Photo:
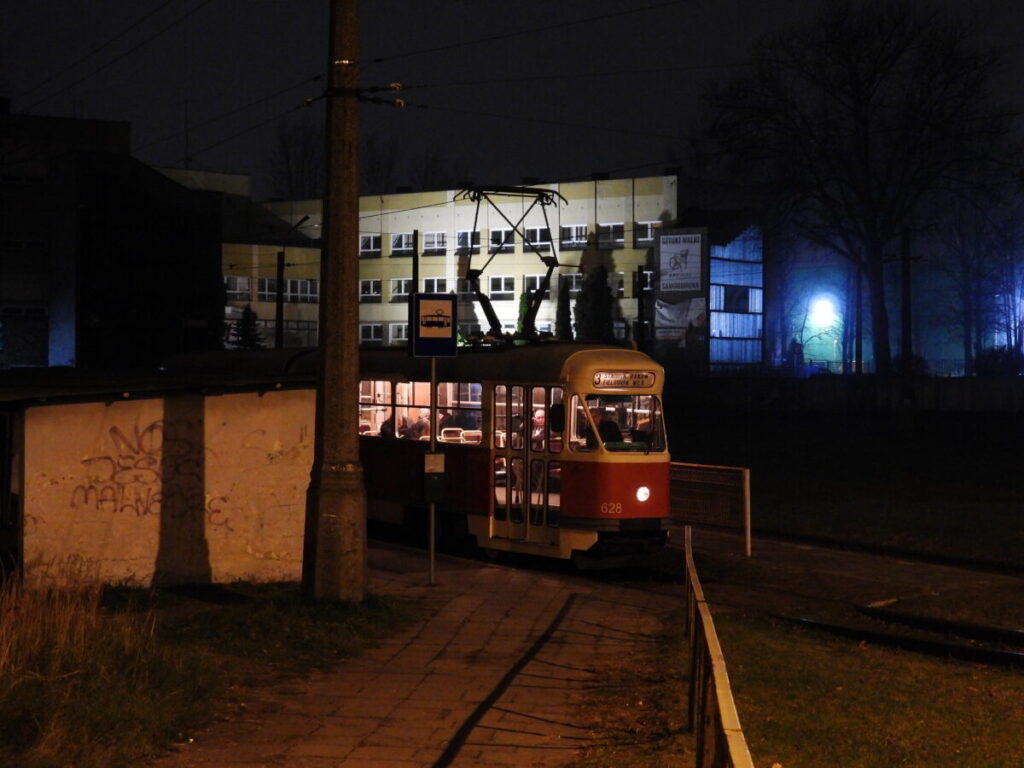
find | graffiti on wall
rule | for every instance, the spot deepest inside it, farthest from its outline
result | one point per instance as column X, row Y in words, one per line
column 152, row 470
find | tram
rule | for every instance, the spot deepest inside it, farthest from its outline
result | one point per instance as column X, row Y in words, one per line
column 556, row 450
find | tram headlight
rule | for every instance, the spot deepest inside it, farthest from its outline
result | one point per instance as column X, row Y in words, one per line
column 643, row 493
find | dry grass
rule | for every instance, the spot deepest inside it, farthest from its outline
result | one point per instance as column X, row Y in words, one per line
column 80, row 687
column 813, row 701
column 95, row 679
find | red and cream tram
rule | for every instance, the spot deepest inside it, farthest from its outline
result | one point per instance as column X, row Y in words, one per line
column 549, row 449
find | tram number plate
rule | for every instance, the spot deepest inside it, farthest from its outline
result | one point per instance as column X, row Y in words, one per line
column 611, row 508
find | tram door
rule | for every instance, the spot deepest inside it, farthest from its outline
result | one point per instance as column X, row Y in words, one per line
column 509, row 481
column 526, row 476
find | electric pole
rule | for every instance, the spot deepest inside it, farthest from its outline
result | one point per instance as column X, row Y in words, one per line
column 334, row 553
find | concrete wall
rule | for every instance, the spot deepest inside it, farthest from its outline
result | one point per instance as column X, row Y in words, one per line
column 176, row 490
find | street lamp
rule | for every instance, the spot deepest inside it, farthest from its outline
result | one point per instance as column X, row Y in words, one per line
column 279, row 308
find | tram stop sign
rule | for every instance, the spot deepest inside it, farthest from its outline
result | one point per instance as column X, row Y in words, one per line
column 434, row 325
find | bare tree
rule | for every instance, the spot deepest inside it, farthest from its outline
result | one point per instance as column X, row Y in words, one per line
column 855, row 118
column 297, row 158
column 379, row 157
column 431, row 169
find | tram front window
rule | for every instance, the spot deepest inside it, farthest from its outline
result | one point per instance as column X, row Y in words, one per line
column 619, row 423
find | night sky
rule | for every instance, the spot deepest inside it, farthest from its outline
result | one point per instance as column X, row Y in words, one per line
column 583, row 85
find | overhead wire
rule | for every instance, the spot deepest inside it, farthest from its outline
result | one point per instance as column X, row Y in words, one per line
column 229, row 113
column 520, row 32
column 124, row 54
column 89, row 54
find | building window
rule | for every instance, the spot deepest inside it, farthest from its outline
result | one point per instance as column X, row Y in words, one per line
column 575, row 280
column 399, row 332
column 266, row 289
column 403, row 244
column 435, row 285
column 539, row 237
column 468, row 330
column 610, row 235
column 302, row 291
column 371, row 333
column 502, row 241
column 646, row 279
column 401, row 288
column 435, row 243
column 532, row 283
column 574, row 237
column 467, row 242
column 643, row 233
column 465, row 289
column 369, row 246
column 238, row 288
column 617, row 282
column 502, row 288
column 369, row 291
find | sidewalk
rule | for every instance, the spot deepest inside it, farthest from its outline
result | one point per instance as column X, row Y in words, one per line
column 489, row 677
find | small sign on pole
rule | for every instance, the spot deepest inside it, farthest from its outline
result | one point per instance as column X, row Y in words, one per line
column 435, row 325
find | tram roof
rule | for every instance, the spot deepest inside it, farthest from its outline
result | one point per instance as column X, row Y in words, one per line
column 235, row 369
column 533, row 362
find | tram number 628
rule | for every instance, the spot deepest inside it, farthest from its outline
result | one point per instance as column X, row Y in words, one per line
column 611, row 508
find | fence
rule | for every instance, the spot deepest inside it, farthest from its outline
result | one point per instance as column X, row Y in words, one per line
column 712, row 711
column 705, row 494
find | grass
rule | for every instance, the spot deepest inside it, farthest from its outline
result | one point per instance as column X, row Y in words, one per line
column 91, row 678
column 638, row 710
column 810, row 700
column 998, row 605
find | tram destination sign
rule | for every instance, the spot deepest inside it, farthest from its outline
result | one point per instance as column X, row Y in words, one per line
column 623, row 379
column 434, row 325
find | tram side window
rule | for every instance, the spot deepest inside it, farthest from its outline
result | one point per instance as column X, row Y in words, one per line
column 412, row 410
column 554, row 491
column 500, row 488
column 509, row 419
column 500, row 415
column 538, row 420
column 459, row 412
column 556, row 420
column 375, row 417
column 517, row 417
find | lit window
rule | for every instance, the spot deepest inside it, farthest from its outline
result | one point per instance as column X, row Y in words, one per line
column 502, row 288
column 574, row 237
column 370, row 333
column 538, row 237
column 467, row 242
column 434, row 243
column 401, row 288
column 435, row 285
column 238, row 288
column 643, row 232
column 532, row 283
column 502, row 241
column 369, row 291
column 369, row 246
column 610, row 235
column 302, row 291
column 266, row 289
column 402, row 244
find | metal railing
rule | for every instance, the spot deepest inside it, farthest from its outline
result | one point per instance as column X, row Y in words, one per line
column 712, row 711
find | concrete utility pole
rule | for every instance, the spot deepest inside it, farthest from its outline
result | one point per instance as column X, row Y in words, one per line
column 334, row 556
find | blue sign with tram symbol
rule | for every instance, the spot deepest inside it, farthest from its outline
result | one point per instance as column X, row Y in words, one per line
column 434, row 327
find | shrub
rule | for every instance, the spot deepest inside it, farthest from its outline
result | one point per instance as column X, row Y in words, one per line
column 998, row 361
